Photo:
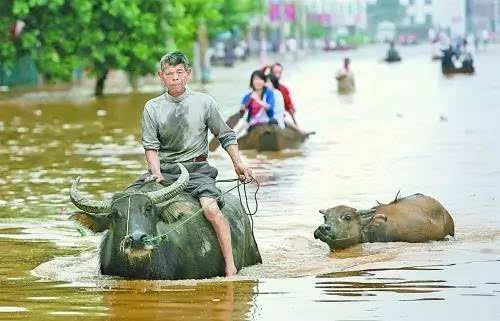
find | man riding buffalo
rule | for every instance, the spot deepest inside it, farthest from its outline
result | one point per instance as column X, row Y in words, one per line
column 174, row 130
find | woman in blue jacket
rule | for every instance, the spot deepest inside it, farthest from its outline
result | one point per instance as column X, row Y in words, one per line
column 259, row 102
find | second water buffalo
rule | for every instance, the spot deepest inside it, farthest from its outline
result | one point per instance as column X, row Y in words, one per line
column 415, row 218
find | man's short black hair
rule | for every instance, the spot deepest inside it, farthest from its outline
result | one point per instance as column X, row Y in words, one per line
column 277, row 64
column 173, row 59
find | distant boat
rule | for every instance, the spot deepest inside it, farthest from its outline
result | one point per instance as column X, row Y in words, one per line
column 392, row 54
column 392, row 59
column 454, row 70
column 451, row 63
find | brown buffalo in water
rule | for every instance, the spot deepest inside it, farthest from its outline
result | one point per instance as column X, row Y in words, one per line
column 416, row 218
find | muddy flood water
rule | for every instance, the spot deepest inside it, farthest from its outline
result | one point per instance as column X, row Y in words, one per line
column 406, row 128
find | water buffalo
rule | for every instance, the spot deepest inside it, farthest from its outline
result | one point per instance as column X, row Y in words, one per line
column 132, row 220
column 415, row 218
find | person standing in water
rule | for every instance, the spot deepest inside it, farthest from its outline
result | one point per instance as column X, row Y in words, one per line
column 345, row 78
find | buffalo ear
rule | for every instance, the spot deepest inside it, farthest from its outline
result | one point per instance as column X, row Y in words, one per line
column 376, row 222
column 93, row 222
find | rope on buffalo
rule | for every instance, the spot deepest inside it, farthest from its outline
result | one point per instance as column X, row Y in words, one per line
column 250, row 213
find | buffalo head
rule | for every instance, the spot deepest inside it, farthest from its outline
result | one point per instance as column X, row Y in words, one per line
column 130, row 217
column 345, row 226
column 341, row 228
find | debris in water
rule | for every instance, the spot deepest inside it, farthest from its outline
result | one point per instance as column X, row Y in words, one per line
column 101, row 113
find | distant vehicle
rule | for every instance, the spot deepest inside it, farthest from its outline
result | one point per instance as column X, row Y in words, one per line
column 407, row 39
column 337, row 45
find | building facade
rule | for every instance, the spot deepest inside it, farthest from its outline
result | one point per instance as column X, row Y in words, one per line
column 483, row 15
column 449, row 15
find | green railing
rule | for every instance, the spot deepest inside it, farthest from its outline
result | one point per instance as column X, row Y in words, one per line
column 24, row 72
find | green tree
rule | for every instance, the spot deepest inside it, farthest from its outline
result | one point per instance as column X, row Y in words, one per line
column 102, row 35
column 316, row 31
column 129, row 35
column 385, row 10
column 186, row 16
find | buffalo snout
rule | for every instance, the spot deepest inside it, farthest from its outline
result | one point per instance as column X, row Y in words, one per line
column 138, row 238
column 322, row 229
column 325, row 228
column 136, row 243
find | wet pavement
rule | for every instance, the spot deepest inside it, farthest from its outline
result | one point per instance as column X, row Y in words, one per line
column 407, row 127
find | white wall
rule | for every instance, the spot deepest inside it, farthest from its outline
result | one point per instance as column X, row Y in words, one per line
column 450, row 14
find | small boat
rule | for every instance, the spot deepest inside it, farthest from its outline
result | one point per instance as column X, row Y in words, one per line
column 271, row 138
column 392, row 54
column 452, row 63
column 453, row 70
column 392, row 59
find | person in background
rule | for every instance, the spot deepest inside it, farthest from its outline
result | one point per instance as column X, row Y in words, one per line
column 260, row 102
column 485, row 37
column 467, row 56
column 279, row 104
column 392, row 53
column 277, row 72
column 345, row 78
column 174, row 130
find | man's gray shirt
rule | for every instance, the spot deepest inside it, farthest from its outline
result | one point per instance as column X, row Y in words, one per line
column 177, row 126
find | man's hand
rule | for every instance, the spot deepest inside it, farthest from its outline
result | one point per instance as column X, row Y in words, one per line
column 154, row 166
column 158, row 177
column 243, row 171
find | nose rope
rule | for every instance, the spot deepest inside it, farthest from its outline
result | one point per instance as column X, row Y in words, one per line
column 128, row 214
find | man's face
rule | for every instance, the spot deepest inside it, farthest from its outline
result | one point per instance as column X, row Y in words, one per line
column 277, row 71
column 175, row 78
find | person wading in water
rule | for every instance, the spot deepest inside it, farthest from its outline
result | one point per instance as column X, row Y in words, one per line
column 174, row 130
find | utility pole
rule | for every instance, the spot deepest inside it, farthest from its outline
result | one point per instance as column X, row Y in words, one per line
column 262, row 33
column 203, row 47
column 496, row 16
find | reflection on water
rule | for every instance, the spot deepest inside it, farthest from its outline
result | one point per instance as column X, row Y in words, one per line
column 407, row 127
column 137, row 300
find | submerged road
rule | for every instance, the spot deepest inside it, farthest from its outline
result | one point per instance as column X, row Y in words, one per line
column 407, row 127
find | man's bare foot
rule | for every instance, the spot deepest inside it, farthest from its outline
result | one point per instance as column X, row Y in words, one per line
column 231, row 270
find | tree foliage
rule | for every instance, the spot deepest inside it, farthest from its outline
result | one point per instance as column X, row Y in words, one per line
column 185, row 17
column 104, row 35
column 385, row 10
